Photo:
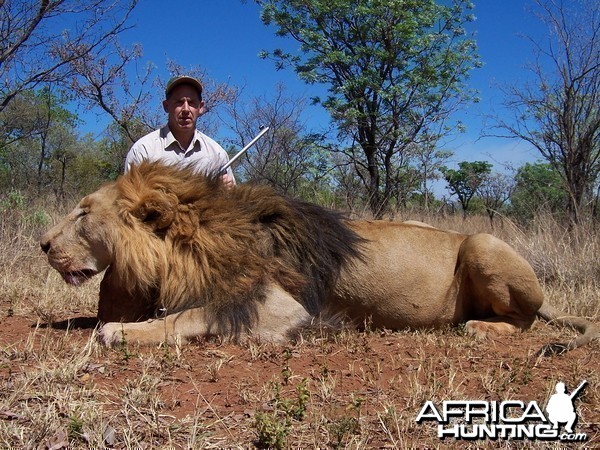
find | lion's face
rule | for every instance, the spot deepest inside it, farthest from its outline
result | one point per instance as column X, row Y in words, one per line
column 81, row 245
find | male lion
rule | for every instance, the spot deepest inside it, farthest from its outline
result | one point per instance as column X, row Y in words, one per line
column 185, row 257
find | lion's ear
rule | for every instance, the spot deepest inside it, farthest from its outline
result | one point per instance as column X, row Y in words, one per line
column 157, row 210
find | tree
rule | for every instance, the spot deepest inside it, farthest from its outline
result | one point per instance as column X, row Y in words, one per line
column 494, row 191
column 40, row 40
column 33, row 127
column 287, row 157
column 53, row 119
column 560, row 114
column 394, row 71
column 89, row 167
column 349, row 190
column 19, row 120
column 106, row 83
column 115, row 144
column 430, row 161
column 102, row 82
column 538, row 187
column 465, row 181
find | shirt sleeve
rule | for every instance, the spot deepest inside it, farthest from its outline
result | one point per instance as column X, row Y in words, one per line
column 134, row 156
column 220, row 154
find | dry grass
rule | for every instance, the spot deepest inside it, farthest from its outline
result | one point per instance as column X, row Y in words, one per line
column 60, row 389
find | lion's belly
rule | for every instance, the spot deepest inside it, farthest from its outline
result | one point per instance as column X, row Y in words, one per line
column 405, row 280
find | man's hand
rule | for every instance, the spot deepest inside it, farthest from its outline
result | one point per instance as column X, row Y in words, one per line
column 227, row 180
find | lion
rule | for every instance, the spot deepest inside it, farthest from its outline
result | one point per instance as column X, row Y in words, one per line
column 184, row 258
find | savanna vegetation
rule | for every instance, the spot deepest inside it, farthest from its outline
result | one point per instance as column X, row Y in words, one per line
column 347, row 389
column 392, row 89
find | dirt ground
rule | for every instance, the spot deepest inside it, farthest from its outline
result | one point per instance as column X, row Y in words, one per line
column 60, row 389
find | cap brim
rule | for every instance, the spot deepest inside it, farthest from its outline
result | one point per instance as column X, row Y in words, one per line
column 184, row 80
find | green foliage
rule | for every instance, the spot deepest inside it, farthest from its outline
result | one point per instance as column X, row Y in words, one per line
column 75, row 428
column 538, row 187
column 273, row 427
column 346, row 426
column 41, row 152
column 464, row 181
column 494, row 192
column 271, row 432
column 14, row 200
column 37, row 219
column 394, row 70
column 341, row 428
column 33, row 112
column 18, row 213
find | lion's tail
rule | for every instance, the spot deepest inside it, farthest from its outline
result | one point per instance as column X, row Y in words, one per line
column 589, row 330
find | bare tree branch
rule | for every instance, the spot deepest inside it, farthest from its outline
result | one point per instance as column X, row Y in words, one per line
column 559, row 114
column 41, row 40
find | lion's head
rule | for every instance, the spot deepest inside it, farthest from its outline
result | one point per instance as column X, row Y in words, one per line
column 82, row 245
column 172, row 240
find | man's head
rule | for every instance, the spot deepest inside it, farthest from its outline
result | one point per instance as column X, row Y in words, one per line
column 183, row 103
column 179, row 80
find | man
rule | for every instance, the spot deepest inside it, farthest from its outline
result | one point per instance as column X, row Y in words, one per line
column 179, row 142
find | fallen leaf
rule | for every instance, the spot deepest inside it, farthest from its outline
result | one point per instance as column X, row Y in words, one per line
column 109, row 435
column 58, row 441
column 85, row 377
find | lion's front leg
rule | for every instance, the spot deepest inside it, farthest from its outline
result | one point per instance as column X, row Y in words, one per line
column 118, row 304
column 174, row 328
column 278, row 316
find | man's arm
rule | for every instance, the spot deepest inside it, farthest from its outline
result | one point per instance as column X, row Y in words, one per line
column 133, row 158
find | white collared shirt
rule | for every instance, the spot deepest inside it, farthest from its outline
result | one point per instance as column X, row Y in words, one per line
column 206, row 155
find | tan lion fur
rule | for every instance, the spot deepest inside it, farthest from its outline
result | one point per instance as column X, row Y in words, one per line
column 180, row 241
column 247, row 260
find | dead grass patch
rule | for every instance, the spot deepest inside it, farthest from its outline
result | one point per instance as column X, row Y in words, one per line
column 349, row 389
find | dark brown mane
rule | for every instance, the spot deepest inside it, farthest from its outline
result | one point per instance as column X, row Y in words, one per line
column 219, row 248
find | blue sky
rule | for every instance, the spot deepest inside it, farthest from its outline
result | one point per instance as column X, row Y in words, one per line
column 225, row 36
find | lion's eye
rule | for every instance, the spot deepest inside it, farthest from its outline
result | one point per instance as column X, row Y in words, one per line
column 82, row 212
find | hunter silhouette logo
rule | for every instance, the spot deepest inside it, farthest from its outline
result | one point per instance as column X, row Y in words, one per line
column 510, row 419
column 560, row 406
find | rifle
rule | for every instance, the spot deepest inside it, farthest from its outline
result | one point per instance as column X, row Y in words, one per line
column 576, row 391
column 263, row 130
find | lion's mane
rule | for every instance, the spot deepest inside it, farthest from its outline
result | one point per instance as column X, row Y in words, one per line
column 185, row 240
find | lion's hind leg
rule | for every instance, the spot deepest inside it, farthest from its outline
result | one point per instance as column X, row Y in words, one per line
column 502, row 294
column 280, row 316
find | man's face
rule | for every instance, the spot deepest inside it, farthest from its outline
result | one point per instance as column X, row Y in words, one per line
column 184, row 107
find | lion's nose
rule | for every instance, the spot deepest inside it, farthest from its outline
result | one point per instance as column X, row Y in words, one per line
column 45, row 246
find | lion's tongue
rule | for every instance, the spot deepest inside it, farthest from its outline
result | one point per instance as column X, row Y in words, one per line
column 73, row 278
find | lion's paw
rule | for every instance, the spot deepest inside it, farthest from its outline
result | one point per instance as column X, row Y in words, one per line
column 111, row 334
column 482, row 329
column 477, row 329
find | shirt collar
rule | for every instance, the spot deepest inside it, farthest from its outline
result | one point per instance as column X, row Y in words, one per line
column 170, row 140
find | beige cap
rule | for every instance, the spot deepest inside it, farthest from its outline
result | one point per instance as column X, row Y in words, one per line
column 176, row 81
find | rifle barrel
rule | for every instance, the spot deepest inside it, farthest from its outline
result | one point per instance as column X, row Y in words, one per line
column 576, row 391
column 244, row 150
